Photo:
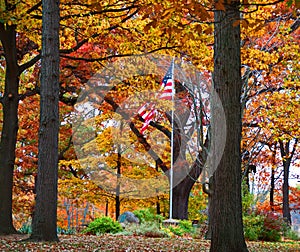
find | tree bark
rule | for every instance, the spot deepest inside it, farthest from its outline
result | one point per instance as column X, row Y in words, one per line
column 226, row 202
column 117, row 199
column 286, row 156
column 10, row 101
column 183, row 187
column 44, row 227
column 272, row 186
column 181, row 193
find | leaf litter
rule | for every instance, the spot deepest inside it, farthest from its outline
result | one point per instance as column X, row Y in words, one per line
column 121, row 243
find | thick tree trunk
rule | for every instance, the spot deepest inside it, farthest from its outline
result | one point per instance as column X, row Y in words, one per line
column 226, row 206
column 183, row 184
column 285, row 191
column 181, row 193
column 286, row 157
column 44, row 226
column 9, row 102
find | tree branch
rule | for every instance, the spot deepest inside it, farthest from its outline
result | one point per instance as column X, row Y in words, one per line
column 100, row 12
column 117, row 55
column 262, row 4
column 29, row 63
column 35, row 7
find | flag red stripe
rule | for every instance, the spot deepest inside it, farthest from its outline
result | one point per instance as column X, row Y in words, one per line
column 147, row 111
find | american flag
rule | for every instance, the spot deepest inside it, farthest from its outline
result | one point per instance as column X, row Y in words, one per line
column 147, row 111
column 167, row 84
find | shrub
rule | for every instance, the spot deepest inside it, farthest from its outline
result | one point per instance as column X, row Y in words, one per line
column 186, row 226
column 274, row 227
column 292, row 235
column 103, row 225
column 183, row 227
column 253, row 226
column 266, row 226
column 176, row 230
column 147, row 229
column 146, row 215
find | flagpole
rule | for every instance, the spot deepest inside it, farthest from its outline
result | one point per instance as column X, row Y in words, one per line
column 172, row 144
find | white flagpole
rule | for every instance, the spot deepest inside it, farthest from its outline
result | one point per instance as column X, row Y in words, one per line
column 172, row 144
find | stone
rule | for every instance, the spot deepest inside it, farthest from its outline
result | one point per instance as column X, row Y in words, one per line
column 128, row 218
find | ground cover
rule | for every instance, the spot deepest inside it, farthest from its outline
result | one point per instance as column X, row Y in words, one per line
column 121, row 243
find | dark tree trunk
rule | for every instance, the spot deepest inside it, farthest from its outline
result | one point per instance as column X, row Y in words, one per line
column 183, row 185
column 44, row 227
column 272, row 182
column 181, row 193
column 117, row 203
column 226, row 202
column 106, row 208
column 158, row 211
column 272, row 187
column 286, row 156
column 117, row 199
column 9, row 102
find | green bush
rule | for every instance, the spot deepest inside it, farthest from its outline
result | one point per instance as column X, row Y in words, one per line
column 146, row 215
column 186, row 226
column 253, row 226
column 183, row 227
column 270, row 235
column 291, row 234
column 176, row 230
column 147, row 229
column 103, row 225
column 266, row 226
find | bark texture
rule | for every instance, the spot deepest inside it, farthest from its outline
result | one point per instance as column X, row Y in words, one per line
column 9, row 101
column 225, row 205
column 286, row 155
column 44, row 226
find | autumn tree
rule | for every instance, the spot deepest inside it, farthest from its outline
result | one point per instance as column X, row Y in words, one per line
column 14, row 68
column 25, row 18
column 45, row 212
column 270, row 96
column 10, row 99
column 223, row 219
column 9, row 131
column 225, row 208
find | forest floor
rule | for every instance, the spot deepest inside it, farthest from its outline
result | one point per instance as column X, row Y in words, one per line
column 122, row 243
